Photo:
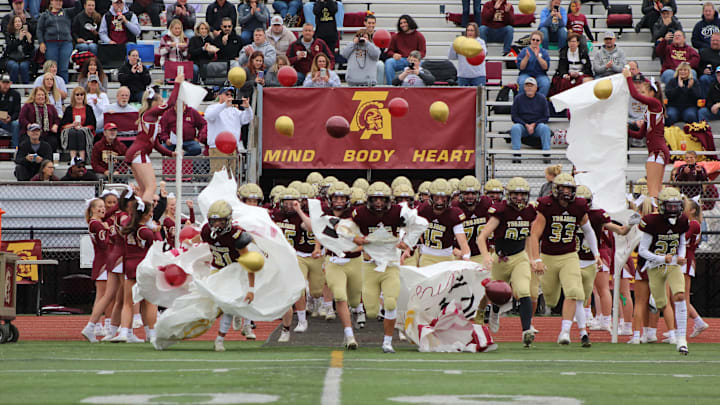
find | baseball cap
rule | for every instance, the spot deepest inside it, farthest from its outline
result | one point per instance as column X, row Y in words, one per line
column 34, row 127
column 530, row 80
column 276, row 20
column 93, row 78
column 666, row 8
column 78, row 161
column 226, row 89
column 110, row 125
column 5, row 78
column 608, row 34
column 18, row 1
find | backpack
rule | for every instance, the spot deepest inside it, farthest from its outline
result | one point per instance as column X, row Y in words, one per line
column 514, row 52
column 443, row 70
column 504, row 95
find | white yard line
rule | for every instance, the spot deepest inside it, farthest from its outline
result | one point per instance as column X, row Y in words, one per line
column 333, row 378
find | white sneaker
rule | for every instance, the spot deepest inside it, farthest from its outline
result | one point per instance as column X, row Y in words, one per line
column 651, row 339
column 494, row 321
column 237, row 322
column 361, row 320
column 89, row 333
column 350, row 343
column 99, row 330
column 301, row 327
column 137, row 323
column 666, row 334
column 595, row 324
column 219, row 346
column 119, row 339
column 491, row 348
column 134, row 339
column 625, row 331
column 535, row 331
column 330, row 315
column 672, row 340
column 402, row 336
column 387, row 348
column 698, row 329
column 108, row 338
column 564, row 338
column 528, row 337
column 634, row 341
column 322, row 312
column 248, row 332
column 284, row 336
column 682, row 347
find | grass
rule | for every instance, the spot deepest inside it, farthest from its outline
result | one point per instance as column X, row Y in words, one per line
column 68, row 372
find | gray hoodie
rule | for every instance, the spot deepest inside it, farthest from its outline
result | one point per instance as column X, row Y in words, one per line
column 361, row 63
column 603, row 56
column 266, row 48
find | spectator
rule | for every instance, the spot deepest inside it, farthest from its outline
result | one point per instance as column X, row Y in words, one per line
column 194, row 130
column 533, row 61
column 288, row 11
column 667, row 23
column 186, row 14
column 271, row 79
column 18, row 51
column 326, row 27
column 636, row 110
column 259, row 44
column 577, row 23
column 550, row 173
column 150, row 7
column 470, row 75
column 414, row 75
column 102, row 6
column 9, row 110
column 78, row 125
column 215, row 13
column 119, row 25
column 406, row 40
column 97, row 100
column 553, row 20
column 54, row 35
column 279, row 36
column 708, row 25
column 33, row 6
column 709, row 60
column 85, row 27
column 78, row 172
column 105, row 148
column 574, row 67
column 252, row 14
column 90, row 67
column 51, row 66
column 36, row 110
column 31, row 152
column 53, row 94
column 310, row 17
column 122, row 102
column 530, row 114
column 362, row 57
column 477, row 7
column 19, row 10
column 133, row 75
column 46, row 172
column 370, row 23
column 254, row 74
column 320, row 74
column 202, row 50
column 497, row 23
column 609, row 58
column 673, row 50
column 228, row 42
column 226, row 116
column 711, row 111
column 303, row 51
column 682, row 93
column 174, row 44
column 691, row 171
column 651, row 10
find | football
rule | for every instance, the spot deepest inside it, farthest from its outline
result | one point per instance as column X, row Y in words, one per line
column 499, row 292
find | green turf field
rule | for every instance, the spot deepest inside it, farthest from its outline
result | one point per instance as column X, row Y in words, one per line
column 189, row 372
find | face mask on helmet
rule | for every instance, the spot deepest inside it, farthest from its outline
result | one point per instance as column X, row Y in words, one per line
column 255, row 202
column 339, row 202
column 287, row 207
column 440, row 202
column 469, row 198
column 519, row 200
column 379, row 203
column 408, row 200
column 495, row 196
column 218, row 226
column 566, row 193
column 672, row 210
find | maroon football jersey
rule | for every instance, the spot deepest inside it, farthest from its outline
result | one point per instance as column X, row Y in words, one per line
column 475, row 221
column 514, row 227
column 223, row 246
column 439, row 234
column 561, row 224
column 597, row 218
column 665, row 237
column 368, row 221
column 295, row 234
column 347, row 214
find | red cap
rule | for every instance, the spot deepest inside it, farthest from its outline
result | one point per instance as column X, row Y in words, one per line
column 110, row 125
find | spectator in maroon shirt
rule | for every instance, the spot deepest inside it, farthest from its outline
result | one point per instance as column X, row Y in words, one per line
column 497, row 23
column 303, row 51
column 194, row 130
column 105, row 148
column 406, row 40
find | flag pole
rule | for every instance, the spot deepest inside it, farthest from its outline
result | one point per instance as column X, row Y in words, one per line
column 178, row 162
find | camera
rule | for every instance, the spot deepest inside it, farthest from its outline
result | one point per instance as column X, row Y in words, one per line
column 413, row 66
column 557, row 8
column 361, row 40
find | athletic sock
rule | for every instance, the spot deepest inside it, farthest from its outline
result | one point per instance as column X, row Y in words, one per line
column 225, row 323
column 301, row 315
column 327, row 304
column 111, row 331
column 91, row 325
column 220, row 338
column 671, row 333
column 681, row 318
column 698, row 320
column 107, row 324
column 588, row 313
column 147, row 331
column 360, row 308
column 627, row 325
column 652, row 331
column 566, row 325
column 606, row 320
column 526, row 312
column 137, row 317
column 348, row 331
column 387, row 340
column 318, row 303
column 123, row 332
column 636, row 334
column 151, row 334
column 645, row 330
column 580, row 316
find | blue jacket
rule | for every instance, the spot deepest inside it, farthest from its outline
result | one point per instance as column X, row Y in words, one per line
column 526, row 110
column 546, row 21
column 533, row 67
column 703, row 31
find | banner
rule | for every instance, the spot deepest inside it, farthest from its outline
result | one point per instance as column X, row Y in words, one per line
column 377, row 140
column 126, row 123
column 26, row 250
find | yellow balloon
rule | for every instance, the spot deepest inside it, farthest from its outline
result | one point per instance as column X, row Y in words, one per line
column 237, row 77
column 252, row 261
column 458, row 44
column 603, row 89
column 285, row 125
column 526, row 6
column 471, row 48
column 439, row 111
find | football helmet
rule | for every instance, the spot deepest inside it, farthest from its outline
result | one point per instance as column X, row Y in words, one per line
column 378, row 196
column 403, row 193
column 306, row 191
column 294, row 184
column 640, row 188
column 518, row 190
column 219, row 218
column 564, row 180
column 440, row 194
column 339, row 189
column 361, row 184
column 424, row 191
column 584, row 192
column 400, row 180
column 454, row 182
column 286, row 198
column 494, row 189
column 276, row 195
column 469, row 188
column 250, row 191
column 327, row 183
column 670, row 204
column 314, row 178
column 357, row 196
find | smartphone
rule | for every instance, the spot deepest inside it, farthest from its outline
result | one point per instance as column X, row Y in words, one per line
column 78, row 119
column 261, row 74
column 323, row 72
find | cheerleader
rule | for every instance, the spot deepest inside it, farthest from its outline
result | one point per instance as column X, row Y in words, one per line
column 694, row 214
column 99, row 236
column 168, row 219
column 139, row 152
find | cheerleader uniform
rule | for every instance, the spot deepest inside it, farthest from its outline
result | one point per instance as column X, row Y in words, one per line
column 654, row 129
column 139, row 151
column 99, row 236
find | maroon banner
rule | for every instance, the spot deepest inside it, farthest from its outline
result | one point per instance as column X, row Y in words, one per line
column 126, row 123
column 377, row 140
column 30, row 249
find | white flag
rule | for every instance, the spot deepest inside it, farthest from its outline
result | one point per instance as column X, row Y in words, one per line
column 191, row 94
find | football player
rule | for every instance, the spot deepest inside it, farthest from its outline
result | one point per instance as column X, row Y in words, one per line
column 251, row 194
column 315, row 179
column 357, row 196
column 227, row 242
column 553, row 251
column 494, row 190
column 445, row 227
column 398, row 181
column 361, row 184
column 510, row 222
column 424, row 192
column 662, row 248
column 475, row 208
column 380, row 212
column 403, row 193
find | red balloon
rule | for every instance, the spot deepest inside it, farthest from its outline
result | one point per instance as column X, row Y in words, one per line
column 381, row 38
column 497, row 291
column 287, row 76
column 226, row 142
column 337, row 126
column 174, row 275
column 398, row 107
column 477, row 59
column 188, row 232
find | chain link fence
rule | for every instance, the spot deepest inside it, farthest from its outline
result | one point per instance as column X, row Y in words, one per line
column 194, row 169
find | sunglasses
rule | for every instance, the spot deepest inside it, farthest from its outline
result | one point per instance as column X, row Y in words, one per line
column 535, row 40
column 227, row 26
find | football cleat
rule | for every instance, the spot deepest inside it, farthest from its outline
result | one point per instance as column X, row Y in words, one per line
column 284, row 336
column 301, row 327
column 219, row 346
column 682, row 347
column 350, row 343
column 330, row 316
column 387, row 348
column 248, row 332
column 494, row 323
column 585, row 341
column 491, row 348
column 134, row 339
column 698, row 329
column 528, row 337
column 315, row 313
column 634, row 341
column 402, row 336
column 564, row 338
column 89, row 333
column 237, row 322
column 361, row 320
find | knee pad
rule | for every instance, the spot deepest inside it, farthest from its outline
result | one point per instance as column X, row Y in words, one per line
column 390, row 314
column 390, row 304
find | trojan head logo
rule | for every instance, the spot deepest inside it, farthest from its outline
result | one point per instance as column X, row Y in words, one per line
column 371, row 116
